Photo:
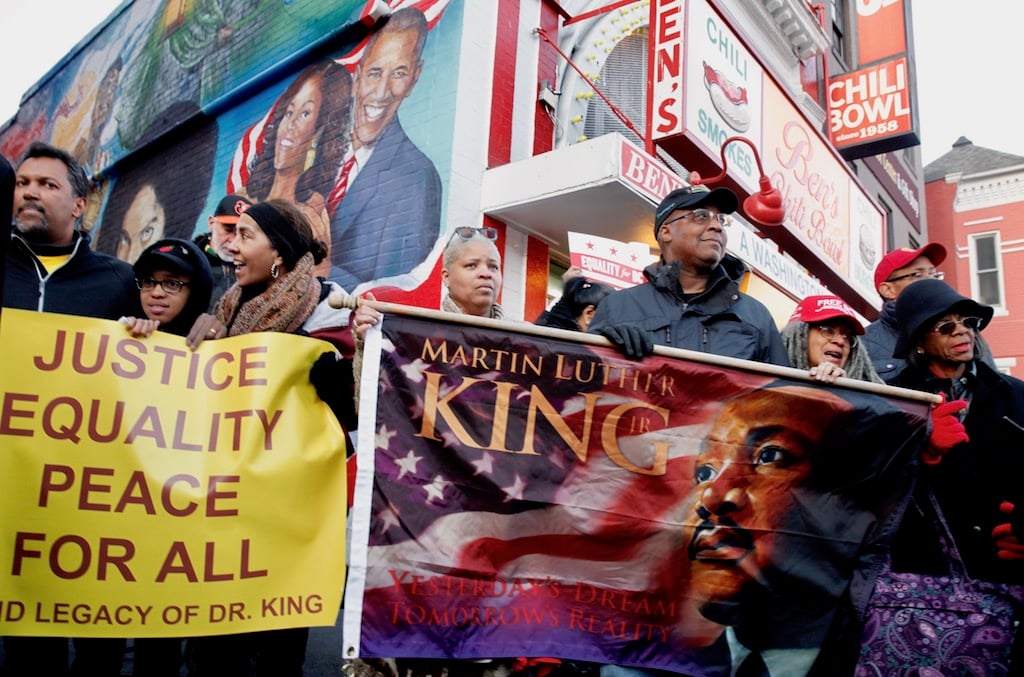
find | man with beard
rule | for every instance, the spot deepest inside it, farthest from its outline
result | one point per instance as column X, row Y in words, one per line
column 788, row 494
column 50, row 268
column 385, row 206
column 222, row 223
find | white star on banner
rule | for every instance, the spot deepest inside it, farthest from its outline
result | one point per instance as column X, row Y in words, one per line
column 383, row 437
column 484, row 465
column 515, row 492
column 407, row 464
column 388, row 518
column 414, row 370
column 435, row 490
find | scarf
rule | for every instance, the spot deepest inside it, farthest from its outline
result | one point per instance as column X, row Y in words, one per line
column 450, row 306
column 282, row 307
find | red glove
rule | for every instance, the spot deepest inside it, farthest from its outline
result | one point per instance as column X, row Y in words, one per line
column 1007, row 535
column 947, row 430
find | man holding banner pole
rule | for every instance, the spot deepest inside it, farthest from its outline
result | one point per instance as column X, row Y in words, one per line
column 693, row 298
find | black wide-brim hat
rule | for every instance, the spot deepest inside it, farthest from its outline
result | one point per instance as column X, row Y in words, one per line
column 924, row 302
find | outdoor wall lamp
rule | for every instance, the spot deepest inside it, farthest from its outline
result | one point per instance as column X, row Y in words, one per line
column 765, row 206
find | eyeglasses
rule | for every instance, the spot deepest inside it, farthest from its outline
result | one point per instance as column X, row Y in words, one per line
column 830, row 332
column 703, row 217
column 169, row 286
column 949, row 326
column 918, row 275
column 467, row 232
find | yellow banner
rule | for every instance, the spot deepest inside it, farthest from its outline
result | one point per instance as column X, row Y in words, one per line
column 148, row 490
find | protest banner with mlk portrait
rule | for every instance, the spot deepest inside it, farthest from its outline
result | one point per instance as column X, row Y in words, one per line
column 148, row 490
column 528, row 495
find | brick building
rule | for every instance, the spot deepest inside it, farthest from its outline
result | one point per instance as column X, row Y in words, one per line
column 532, row 116
column 975, row 202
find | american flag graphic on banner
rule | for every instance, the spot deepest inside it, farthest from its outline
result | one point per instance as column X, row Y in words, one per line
column 522, row 495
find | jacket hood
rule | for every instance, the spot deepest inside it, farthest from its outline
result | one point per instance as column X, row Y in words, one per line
column 200, row 282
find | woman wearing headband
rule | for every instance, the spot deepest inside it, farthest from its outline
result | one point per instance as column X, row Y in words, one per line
column 275, row 255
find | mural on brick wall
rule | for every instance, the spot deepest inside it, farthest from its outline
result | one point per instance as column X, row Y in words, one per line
column 162, row 108
column 161, row 195
column 368, row 188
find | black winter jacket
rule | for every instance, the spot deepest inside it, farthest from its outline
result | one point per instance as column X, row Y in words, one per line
column 880, row 341
column 971, row 481
column 721, row 320
column 89, row 284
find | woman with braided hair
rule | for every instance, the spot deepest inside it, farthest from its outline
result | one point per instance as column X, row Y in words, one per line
column 822, row 338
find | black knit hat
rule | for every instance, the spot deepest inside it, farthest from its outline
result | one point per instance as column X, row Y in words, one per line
column 924, row 302
column 289, row 242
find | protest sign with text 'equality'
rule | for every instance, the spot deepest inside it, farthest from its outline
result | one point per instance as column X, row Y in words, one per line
column 149, row 490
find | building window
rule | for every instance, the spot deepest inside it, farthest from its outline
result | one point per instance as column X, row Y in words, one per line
column 889, row 225
column 839, row 22
column 624, row 81
column 986, row 269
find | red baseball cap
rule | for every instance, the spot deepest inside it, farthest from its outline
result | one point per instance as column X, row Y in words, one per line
column 817, row 309
column 897, row 258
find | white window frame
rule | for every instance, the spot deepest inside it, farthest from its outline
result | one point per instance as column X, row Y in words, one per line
column 972, row 246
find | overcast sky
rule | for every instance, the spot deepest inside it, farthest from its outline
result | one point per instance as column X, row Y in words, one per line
column 968, row 61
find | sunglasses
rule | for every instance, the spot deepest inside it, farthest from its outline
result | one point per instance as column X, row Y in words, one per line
column 467, row 232
column 948, row 327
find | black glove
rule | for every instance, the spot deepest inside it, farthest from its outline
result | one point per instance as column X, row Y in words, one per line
column 631, row 339
column 332, row 379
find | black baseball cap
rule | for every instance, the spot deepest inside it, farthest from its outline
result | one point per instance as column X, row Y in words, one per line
column 692, row 197
column 230, row 208
column 170, row 254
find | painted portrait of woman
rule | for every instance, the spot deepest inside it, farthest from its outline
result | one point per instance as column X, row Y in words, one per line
column 161, row 196
column 304, row 143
